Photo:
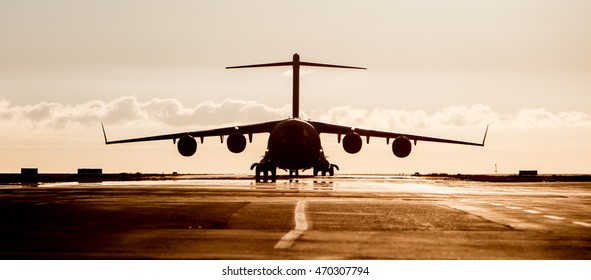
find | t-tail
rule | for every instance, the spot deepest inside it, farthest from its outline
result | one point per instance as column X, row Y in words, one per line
column 295, row 64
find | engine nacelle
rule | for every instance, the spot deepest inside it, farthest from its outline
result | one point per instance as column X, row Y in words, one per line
column 352, row 143
column 401, row 147
column 187, row 146
column 236, row 142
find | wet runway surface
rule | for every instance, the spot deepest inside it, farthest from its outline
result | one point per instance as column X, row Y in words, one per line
column 344, row 218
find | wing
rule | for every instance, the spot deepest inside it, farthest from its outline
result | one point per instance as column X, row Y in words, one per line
column 244, row 129
column 339, row 129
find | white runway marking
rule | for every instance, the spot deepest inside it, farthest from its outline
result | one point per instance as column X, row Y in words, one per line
column 532, row 211
column 348, row 213
column 582, row 224
column 301, row 225
column 553, row 217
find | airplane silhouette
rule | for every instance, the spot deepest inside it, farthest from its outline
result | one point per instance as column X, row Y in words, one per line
column 294, row 143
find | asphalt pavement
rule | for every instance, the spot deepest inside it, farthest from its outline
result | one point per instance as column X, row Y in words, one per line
column 343, row 217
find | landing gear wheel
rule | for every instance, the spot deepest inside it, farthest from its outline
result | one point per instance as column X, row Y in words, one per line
column 257, row 173
column 265, row 169
column 273, row 174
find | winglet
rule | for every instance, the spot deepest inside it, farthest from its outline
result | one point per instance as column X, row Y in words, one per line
column 485, row 133
column 104, row 133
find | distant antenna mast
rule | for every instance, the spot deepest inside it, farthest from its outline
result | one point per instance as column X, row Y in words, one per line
column 295, row 63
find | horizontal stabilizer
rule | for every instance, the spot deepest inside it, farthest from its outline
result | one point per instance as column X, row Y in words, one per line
column 289, row 63
column 295, row 64
column 330, row 65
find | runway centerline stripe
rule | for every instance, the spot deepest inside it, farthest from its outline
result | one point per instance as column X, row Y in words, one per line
column 582, row 224
column 300, row 216
column 301, row 225
column 348, row 213
column 553, row 217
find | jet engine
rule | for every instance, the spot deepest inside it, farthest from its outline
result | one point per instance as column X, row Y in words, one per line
column 236, row 142
column 187, row 146
column 401, row 147
column 352, row 143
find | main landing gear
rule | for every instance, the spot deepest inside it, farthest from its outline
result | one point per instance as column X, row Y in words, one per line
column 265, row 170
column 323, row 166
column 323, row 170
column 264, row 167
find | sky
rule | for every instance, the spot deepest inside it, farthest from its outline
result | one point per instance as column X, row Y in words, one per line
column 435, row 68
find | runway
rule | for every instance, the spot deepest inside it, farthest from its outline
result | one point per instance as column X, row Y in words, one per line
column 343, row 217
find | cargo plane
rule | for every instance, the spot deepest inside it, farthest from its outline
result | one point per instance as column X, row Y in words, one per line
column 294, row 144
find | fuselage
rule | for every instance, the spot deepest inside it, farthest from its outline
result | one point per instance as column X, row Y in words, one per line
column 294, row 144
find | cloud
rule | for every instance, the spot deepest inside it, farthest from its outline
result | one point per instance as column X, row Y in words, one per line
column 545, row 118
column 457, row 116
column 129, row 109
column 173, row 113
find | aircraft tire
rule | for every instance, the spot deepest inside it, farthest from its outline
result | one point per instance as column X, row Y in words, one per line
column 257, row 173
column 273, row 174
